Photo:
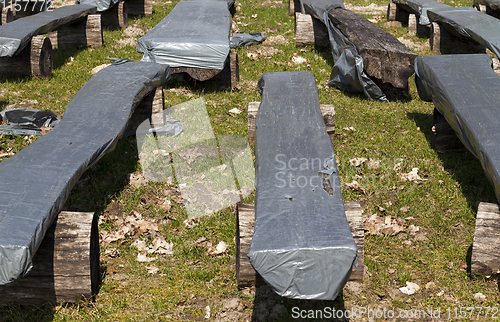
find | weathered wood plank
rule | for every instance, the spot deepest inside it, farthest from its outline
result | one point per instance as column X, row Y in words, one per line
column 246, row 276
column 65, row 267
column 34, row 60
column 443, row 137
column 86, row 32
column 384, row 57
column 327, row 110
column 485, row 259
column 310, row 31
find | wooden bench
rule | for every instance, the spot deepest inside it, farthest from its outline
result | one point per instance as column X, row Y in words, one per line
column 200, row 49
column 114, row 13
column 489, row 7
column 302, row 244
column 464, row 89
column 37, row 180
column 25, row 52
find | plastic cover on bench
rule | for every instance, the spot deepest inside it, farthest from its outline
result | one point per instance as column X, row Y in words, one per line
column 470, row 23
column 102, row 5
column 347, row 72
column 466, row 91
column 15, row 35
column 422, row 6
column 302, row 244
column 35, row 182
column 194, row 34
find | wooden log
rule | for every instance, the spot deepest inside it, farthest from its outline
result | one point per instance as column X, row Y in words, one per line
column 7, row 15
column 384, row 57
column 65, row 266
column 246, row 276
column 488, row 10
column 150, row 108
column 444, row 138
column 395, row 12
column 485, row 258
column 34, row 60
column 86, row 32
column 443, row 42
column 115, row 17
column 327, row 110
column 140, row 7
column 310, row 31
column 414, row 28
column 293, row 7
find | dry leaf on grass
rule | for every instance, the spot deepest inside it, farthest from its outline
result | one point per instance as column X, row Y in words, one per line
column 354, row 185
column 410, row 288
column 412, row 176
column 144, row 259
column 153, row 269
column 378, row 225
column 219, row 249
column 161, row 246
column 357, row 161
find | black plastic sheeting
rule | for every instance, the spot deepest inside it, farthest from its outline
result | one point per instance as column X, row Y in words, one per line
column 302, row 244
column 25, row 121
column 421, row 7
column 194, row 34
column 471, row 23
column 493, row 4
column 35, row 182
column 466, row 91
column 245, row 39
column 347, row 72
column 15, row 35
column 102, row 5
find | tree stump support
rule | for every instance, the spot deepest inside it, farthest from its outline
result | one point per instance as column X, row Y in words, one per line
column 293, row 7
column 86, row 32
column 396, row 13
column 34, row 60
column 115, row 17
column 444, row 138
column 485, row 259
column 443, row 42
column 150, row 108
column 140, row 7
column 65, row 266
column 7, row 15
column 310, row 31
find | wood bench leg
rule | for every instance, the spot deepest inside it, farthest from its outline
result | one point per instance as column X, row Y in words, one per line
column 246, row 276
column 65, row 266
column 310, row 31
column 396, row 13
column 115, row 17
column 485, row 258
column 441, row 41
column 230, row 75
column 327, row 110
column 34, row 60
column 414, row 28
column 293, row 7
column 444, row 138
column 6, row 16
column 87, row 32
column 150, row 108
column 140, row 7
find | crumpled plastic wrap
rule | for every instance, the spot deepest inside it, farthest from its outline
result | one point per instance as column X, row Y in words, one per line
column 25, row 121
column 15, row 35
column 102, row 5
column 470, row 23
column 194, row 34
column 347, row 72
column 466, row 91
column 421, row 7
column 302, row 244
column 246, row 39
column 36, row 181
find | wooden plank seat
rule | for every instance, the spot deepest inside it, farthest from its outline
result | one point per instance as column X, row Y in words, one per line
column 200, row 48
column 24, row 52
column 302, row 244
column 489, row 7
column 35, row 182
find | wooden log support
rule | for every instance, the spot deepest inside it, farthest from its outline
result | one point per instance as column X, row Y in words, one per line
column 310, row 31
column 150, row 108
column 86, row 32
column 444, row 138
column 327, row 110
column 414, row 28
column 140, row 7
column 7, row 15
column 395, row 12
column 246, row 276
column 443, row 42
column 293, row 7
column 488, row 10
column 65, row 266
column 115, row 17
column 385, row 58
column 485, row 258
column 34, row 60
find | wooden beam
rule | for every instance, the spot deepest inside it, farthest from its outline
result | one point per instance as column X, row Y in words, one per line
column 86, row 32
column 327, row 110
column 65, row 266
column 485, row 259
column 310, row 31
column 246, row 276
column 34, row 60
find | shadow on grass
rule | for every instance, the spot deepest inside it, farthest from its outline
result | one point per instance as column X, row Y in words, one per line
column 61, row 55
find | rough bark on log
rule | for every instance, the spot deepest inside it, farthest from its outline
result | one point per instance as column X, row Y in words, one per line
column 34, row 60
column 86, row 32
column 246, row 276
column 116, row 17
column 7, row 16
column 384, row 57
column 444, row 138
column 65, row 266
column 150, row 108
column 310, row 31
column 327, row 110
column 442, row 41
column 485, row 258
column 140, row 7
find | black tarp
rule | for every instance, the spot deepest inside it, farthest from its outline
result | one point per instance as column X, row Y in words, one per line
column 421, row 7
column 493, row 4
column 35, row 182
column 466, row 90
column 102, row 5
column 302, row 244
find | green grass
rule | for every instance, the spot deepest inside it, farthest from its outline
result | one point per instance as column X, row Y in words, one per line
column 396, row 133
